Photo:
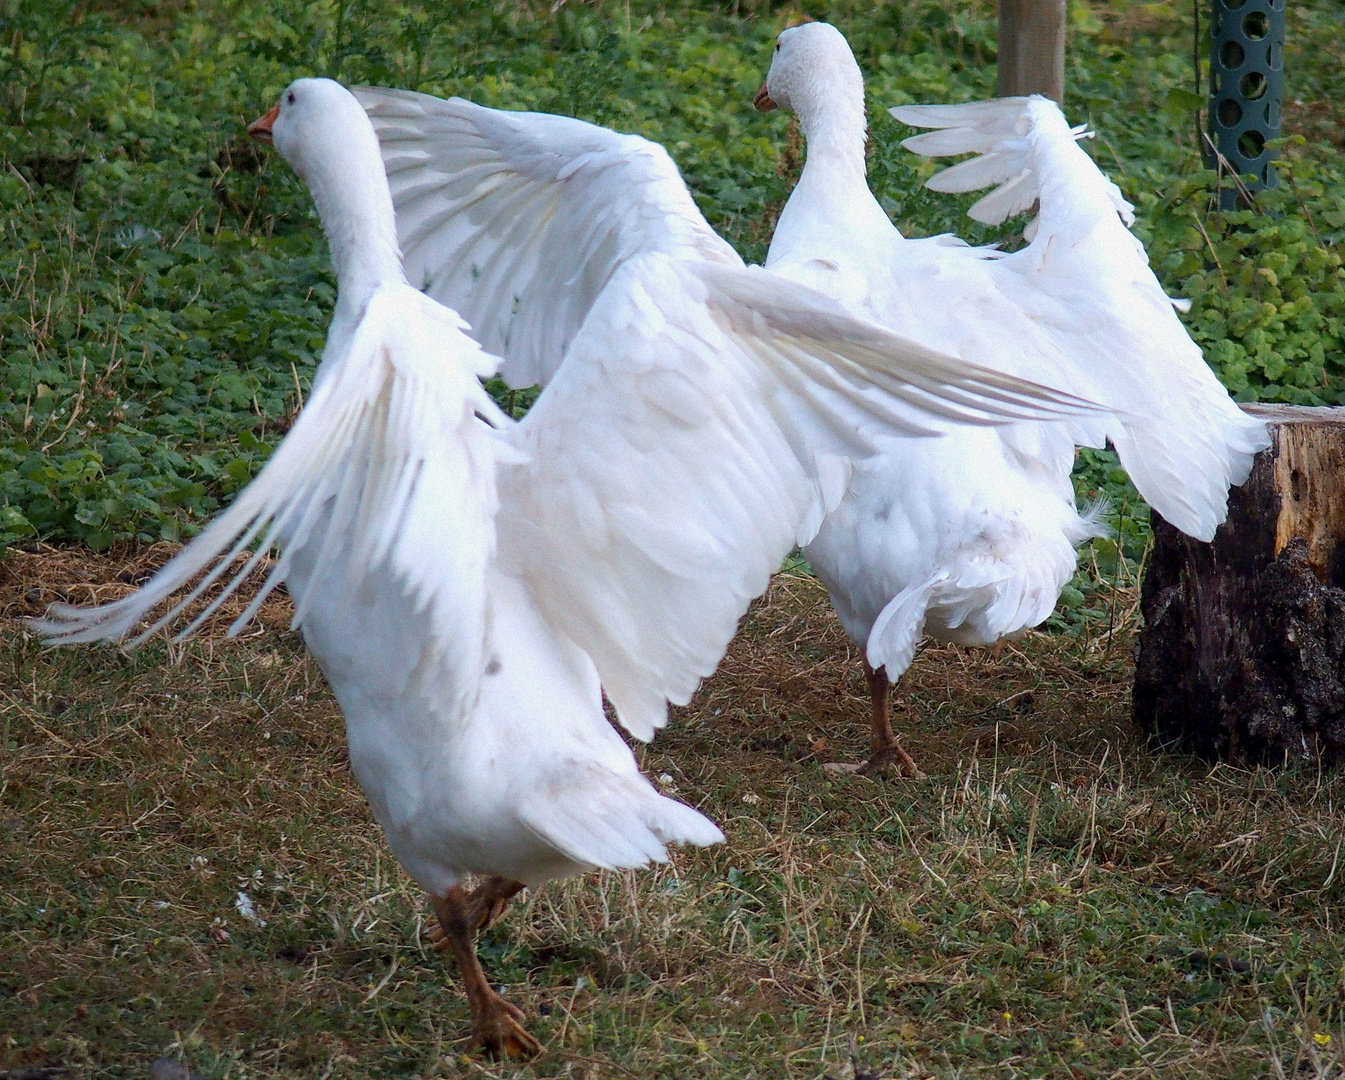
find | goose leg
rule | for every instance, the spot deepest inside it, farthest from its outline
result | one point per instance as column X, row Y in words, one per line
column 489, row 901
column 885, row 750
column 485, row 905
column 496, row 1024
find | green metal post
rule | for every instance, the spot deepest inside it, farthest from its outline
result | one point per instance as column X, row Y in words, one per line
column 1246, row 84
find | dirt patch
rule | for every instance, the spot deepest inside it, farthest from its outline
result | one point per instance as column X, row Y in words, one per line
column 38, row 575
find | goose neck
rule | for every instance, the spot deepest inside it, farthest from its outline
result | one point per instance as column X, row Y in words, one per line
column 835, row 134
column 833, row 121
column 832, row 214
column 834, row 183
column 355, row 208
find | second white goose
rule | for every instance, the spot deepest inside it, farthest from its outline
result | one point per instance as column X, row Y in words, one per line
column 971, row 538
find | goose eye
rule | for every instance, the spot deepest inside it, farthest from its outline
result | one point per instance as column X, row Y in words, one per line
column 777, row 46
column 290, row 97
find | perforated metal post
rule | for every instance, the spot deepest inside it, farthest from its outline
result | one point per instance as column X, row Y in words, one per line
column 1246, row 81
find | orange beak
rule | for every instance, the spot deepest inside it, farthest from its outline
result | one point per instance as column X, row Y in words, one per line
column 762, row 101
column 260, row 129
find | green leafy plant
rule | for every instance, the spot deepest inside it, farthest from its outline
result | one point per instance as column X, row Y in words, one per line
column 164, row 288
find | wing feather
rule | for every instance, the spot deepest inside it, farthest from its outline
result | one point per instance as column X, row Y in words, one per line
column 696, row 432
column 1081, row 294
column 519, row 220
column 394, row 455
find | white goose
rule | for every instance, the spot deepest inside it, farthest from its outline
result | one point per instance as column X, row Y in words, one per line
column 471, row 586
column 972, row 537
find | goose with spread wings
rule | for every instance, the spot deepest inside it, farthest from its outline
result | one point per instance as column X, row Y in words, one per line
column 471, row 586
column 971, row 538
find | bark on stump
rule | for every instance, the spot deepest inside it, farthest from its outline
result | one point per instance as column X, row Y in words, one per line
column 1242, row 655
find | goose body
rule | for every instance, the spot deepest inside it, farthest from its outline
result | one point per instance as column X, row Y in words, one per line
column 913, row 550
column 471, row 586
column 972, row 537
column 457, row 793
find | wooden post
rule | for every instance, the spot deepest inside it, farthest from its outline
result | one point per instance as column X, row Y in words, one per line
column 1242, row 655
column 1032, row 48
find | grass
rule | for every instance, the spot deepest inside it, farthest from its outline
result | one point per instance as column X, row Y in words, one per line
column 1056, row 899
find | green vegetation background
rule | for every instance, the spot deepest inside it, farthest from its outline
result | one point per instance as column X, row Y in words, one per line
column 164, row 288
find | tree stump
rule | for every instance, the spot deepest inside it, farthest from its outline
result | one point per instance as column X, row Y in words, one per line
column 1242, row 655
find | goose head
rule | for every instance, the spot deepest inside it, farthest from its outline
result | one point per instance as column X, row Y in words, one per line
column 813, row 74
column 319, row 128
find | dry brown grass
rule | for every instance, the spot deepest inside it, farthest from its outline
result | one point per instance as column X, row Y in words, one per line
column 1054, row 900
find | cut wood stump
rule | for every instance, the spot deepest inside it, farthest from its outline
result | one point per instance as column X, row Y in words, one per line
column 1242, row 655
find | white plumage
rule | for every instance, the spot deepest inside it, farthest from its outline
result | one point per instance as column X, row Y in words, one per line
column 971, row 537
column 519, row 220
column 470, row 585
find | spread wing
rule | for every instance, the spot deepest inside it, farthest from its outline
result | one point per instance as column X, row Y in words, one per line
column 699, row 428
column 519, row 220
column 997, row 132
column 1081, row 292
column 389, row 459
